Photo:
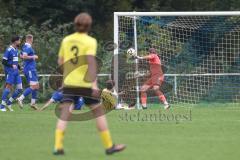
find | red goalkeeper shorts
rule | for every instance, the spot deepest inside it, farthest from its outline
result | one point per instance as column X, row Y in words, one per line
column 155, row 80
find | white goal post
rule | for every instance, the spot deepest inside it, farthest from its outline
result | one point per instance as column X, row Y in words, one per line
column 201, row 51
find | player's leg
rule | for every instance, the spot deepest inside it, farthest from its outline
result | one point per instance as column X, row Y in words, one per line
column 27, row 91
column 18, row 90
column 102, row 126
column 7, row 90
column 146, row 86
column 15, row 94
column 5, row 94
column 160, row 94
column 35, row 86
column 61, row 127
column 32, row 79
column 65, row 113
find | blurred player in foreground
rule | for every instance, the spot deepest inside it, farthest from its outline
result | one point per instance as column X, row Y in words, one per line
column 57, row 96
column 156, row 79
column 29, row 56
column 11, row 69
column 79, row 74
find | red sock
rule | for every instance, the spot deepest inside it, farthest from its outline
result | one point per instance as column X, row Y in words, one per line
column 162, row 98
column 144, row 99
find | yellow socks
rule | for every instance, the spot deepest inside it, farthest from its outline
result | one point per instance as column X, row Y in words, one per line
column 59, row 135
column 106, row 139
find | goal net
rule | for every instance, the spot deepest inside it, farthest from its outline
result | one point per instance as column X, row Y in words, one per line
column 200, row 55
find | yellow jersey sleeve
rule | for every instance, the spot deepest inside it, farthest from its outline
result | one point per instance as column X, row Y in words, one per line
column 92, row 48
column 61, row 50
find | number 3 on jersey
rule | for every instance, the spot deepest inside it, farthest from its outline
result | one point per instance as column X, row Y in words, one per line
column 75, row 52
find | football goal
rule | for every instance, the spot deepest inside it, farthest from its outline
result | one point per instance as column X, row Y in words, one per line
column 199, row 52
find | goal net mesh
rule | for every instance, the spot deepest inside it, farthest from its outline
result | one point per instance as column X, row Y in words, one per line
column 200, row 57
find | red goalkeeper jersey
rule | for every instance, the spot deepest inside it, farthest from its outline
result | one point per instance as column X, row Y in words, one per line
column 155, row 65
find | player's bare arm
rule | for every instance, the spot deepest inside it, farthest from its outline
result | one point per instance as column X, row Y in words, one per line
column 148, row 57
column 60, row 61
column 25, row 56
column 46, row 105
column 92, row 69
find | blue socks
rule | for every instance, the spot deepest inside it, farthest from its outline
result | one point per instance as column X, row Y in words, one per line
column 34, row 94
column 14, row 96
column 5, row 94
column 27, row 92
column 16, row 93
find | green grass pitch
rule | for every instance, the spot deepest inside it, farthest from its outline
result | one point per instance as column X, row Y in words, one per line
column 200, row 132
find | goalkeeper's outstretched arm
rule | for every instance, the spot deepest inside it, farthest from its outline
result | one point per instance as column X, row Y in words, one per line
column 144, row 57
column 150, row 56
column 50, row 101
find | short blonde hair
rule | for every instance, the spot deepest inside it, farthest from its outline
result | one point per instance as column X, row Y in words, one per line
column 29, row 36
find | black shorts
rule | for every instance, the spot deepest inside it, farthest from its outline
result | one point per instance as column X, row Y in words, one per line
column 73, row 94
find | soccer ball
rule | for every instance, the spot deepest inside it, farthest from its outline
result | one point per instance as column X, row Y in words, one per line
column 131, row 52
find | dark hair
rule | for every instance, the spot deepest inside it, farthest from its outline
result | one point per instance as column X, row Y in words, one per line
column 15, row 38
column 152, row 50
column 110, row 84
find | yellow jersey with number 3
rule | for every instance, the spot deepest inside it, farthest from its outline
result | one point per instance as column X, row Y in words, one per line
column 74, row 49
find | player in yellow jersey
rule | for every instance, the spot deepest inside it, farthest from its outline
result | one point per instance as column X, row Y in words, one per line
column 77, row 57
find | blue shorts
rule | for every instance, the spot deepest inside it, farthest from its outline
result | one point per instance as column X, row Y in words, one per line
column 57, row 96
column 13, row 78
column 78, row 103
column 31, row 76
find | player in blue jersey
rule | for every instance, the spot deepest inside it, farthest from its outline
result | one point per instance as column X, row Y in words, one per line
column 57, row 96
column 11, row 69
column 29, row 56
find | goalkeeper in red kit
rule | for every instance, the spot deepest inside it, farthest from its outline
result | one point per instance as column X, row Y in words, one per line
column 156, row 79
